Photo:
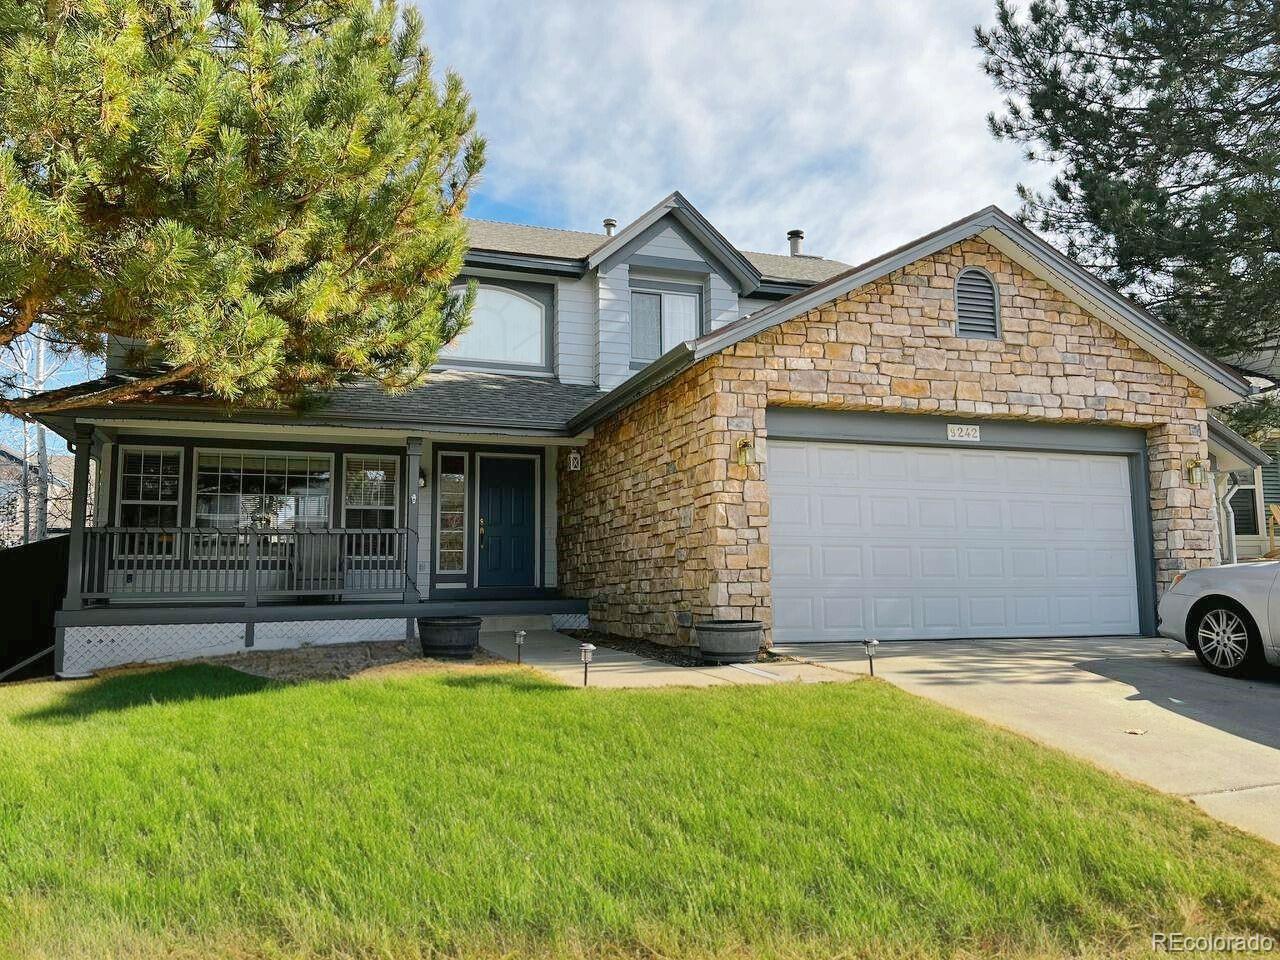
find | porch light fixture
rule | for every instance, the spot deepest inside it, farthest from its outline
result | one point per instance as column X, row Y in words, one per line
column 574, row 461
column 586, row 650
column 1195, row 472
column 520, row 634
column 745, row 454
column 870, row 645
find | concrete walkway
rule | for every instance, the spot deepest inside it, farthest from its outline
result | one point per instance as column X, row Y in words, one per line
column 558, row 655
column 1142, row 708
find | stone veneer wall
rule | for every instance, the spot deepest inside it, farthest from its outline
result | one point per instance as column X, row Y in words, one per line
column 661, row 521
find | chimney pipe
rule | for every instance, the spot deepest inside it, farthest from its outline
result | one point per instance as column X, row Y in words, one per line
column 610, row 225
column 795, row 237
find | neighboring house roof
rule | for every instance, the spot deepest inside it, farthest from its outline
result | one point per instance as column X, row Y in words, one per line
column 1221, row 383
column 61, row 466
column 458, row 399
column 516, row 238
column 1233, row 451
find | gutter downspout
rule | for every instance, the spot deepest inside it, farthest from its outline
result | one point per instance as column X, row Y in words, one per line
column 1228, row 532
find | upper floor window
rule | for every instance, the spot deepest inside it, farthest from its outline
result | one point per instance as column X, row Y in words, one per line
column 660, row 320
column 977, row 305
column 507, row 327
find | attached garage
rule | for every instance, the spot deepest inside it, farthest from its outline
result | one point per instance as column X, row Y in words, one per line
column 912, row 527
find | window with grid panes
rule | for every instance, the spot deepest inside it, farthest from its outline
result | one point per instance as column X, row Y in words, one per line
column 262, row 490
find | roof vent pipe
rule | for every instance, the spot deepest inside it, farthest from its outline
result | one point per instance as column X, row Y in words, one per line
column 610, row 225
column 795, row 238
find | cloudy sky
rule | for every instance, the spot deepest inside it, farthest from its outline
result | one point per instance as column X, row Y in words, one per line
column 861, row 121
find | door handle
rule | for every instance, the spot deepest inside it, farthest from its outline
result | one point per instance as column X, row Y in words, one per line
column 482, row 533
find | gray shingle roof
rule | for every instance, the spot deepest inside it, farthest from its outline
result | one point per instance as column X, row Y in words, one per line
column 578, row 245
column 464, row 398
column 535, row 241
column 776, row 266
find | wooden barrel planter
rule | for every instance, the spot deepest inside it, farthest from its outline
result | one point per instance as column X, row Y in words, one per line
column 729, row 641
column 449, row 638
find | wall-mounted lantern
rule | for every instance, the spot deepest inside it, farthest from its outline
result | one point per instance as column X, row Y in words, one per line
column 1195, row 472
column 573, row 462
column 746, row 455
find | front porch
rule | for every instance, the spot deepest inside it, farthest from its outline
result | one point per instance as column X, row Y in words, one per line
column 226, row 541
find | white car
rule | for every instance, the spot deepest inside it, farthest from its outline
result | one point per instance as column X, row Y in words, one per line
column 1229, row 616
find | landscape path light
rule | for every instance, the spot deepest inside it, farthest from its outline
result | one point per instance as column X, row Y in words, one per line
column 586, row 650
column 870, row 645
column 520, row 634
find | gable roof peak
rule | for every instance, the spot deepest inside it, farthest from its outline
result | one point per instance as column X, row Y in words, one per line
column 677, row 205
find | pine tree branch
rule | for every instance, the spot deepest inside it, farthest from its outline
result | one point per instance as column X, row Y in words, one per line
column 68, row 398
column 27, row 311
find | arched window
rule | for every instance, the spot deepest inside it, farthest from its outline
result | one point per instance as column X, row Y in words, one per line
column 977, row 304
column 507, row 327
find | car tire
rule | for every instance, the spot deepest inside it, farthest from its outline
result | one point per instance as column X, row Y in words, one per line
column 1225, row 639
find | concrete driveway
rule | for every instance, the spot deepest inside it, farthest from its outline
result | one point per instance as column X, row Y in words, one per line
column 1143, row 708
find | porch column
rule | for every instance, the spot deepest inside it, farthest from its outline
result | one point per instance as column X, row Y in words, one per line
column 412, row 462
column 79, row 509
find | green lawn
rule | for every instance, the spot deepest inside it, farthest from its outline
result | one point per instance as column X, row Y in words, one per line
column 198, row 812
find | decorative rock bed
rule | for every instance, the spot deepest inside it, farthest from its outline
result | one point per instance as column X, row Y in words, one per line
column 341, row 660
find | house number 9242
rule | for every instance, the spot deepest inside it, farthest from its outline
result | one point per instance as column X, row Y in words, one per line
column 964, row 431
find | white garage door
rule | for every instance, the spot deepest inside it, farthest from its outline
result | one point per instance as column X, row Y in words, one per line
column 930, row 543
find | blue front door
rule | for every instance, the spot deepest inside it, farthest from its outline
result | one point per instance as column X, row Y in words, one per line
column 507, row 523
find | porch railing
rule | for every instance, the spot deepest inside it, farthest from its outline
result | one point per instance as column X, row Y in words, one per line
column 154, row 563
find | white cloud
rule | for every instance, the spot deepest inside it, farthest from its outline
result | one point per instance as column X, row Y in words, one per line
column 863, row 123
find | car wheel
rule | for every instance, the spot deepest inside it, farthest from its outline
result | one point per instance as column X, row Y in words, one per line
column 1226, row 640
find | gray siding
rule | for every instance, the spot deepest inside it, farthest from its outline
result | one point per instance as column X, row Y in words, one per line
column 668, row 255
column 721, row 302
column 576, row 330
column 668, row 243
column 426, row 509
column 613, row 346
column 747, row 306
column 550, row 519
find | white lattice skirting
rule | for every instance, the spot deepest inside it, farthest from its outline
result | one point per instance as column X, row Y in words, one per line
column 570, row 621
column 87, row 649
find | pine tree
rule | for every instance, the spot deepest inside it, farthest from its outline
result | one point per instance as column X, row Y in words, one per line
column 262, row 198
column 1163, row 120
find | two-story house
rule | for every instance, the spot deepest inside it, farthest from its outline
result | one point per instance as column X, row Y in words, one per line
column 966, row 436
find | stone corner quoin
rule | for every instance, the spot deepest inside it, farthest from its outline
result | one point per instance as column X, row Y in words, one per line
column 661, row 520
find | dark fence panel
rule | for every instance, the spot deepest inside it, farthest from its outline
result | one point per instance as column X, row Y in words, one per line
column 33, row 581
